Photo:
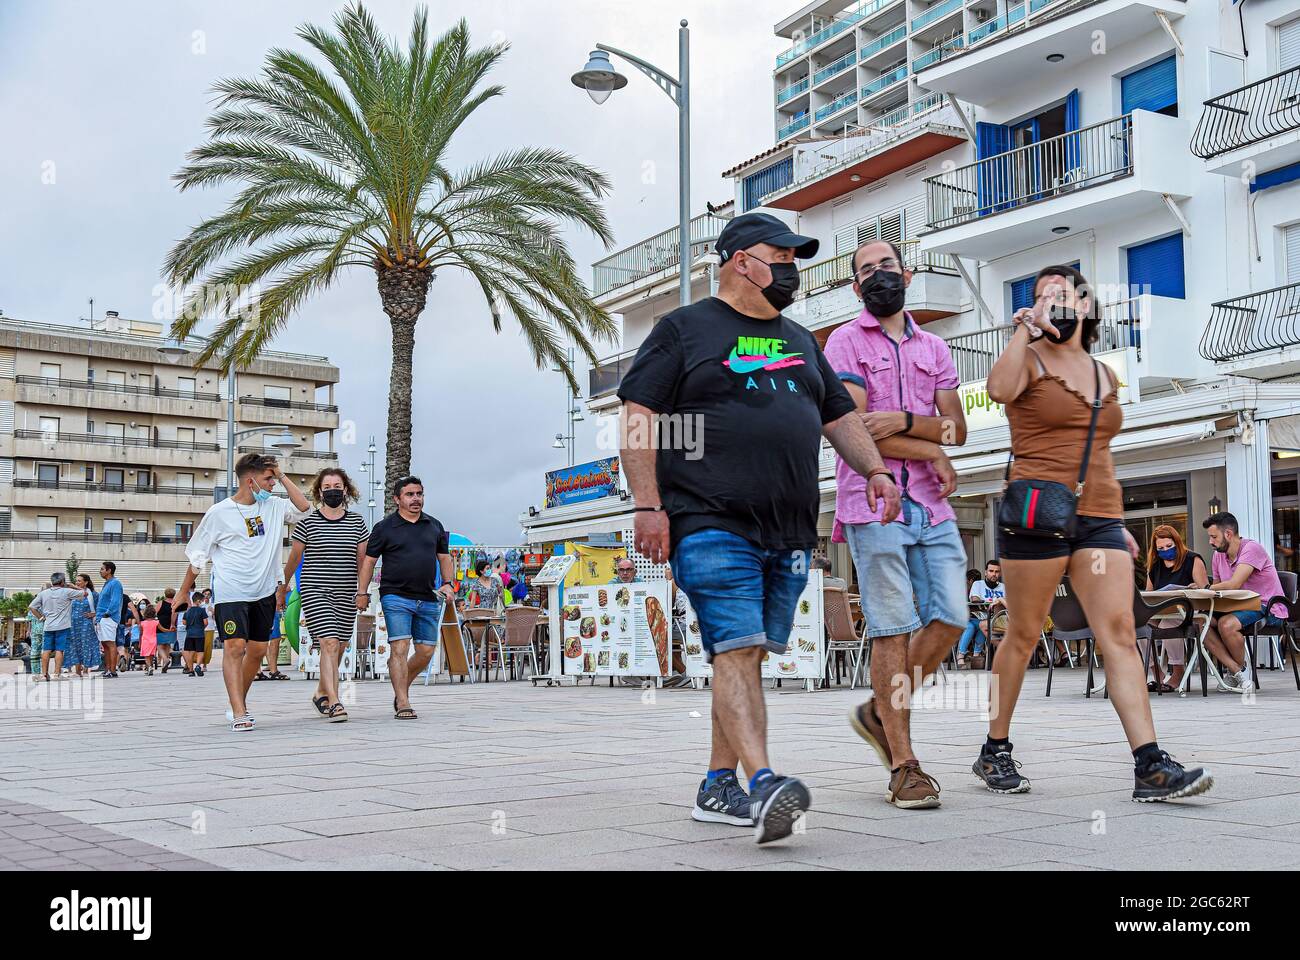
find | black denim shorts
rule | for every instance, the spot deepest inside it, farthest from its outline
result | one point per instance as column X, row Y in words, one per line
column 1091, row 533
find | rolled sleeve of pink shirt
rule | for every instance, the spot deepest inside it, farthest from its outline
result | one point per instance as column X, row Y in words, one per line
column 861, row 353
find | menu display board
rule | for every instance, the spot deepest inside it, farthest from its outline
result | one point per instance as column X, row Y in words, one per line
column 804, row 656
column 617, row 630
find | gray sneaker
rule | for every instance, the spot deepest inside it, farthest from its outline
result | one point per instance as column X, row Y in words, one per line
column 724, row 802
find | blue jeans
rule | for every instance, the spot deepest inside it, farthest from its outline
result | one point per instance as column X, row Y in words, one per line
column 743, row 595
column 408, row 619
column 971, row 635
column 904, row 559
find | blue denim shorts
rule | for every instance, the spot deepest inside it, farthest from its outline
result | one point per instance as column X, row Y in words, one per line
column 408, row 619
column 1247, row 619
column 743, row 595
column 58, row 641
column 909, row 558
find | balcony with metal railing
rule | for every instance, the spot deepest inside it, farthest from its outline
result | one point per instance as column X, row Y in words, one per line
column 603, row 380
column 873, row 47
column 1067, row 183
column 300, row 454
column 836, row 105
column 792, row 91
column 905, row 137
column 113, row 440
column 1256, row 125
column 834, row 29
column 932, row 57
column 654, row 255
column 934, row 13
column 1010, row 52
column 793, row 127
column 1257, row 335
column 148, row 390
column 987, row 29
column 884, row 81
column 836, row 68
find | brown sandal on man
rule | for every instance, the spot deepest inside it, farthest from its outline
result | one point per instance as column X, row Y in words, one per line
column 406, row 713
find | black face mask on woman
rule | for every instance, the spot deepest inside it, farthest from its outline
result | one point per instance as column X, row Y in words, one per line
column 785, row 283
column 1066, row 322
column 883, row 293
column 334, row 498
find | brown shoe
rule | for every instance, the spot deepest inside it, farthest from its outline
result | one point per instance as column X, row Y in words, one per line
column 977, row 662
column 911, row 788
column 868, row 726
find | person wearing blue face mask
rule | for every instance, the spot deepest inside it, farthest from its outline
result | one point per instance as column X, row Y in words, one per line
column 1171, row 565
column 241, row 536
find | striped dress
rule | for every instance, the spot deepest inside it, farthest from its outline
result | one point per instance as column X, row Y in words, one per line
column 329, row 572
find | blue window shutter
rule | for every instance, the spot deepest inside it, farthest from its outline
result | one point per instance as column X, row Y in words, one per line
column 1072, row 111
column 1275, row 178
column 994, row 179
column 768, row 180
column 1152, row 88
column 1022, row 293
column 1157, row 267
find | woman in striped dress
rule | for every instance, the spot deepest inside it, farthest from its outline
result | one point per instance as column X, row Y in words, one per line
column 84, row 654
column 330, row 542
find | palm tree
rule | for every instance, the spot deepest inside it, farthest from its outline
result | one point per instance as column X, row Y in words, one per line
column 350, row 169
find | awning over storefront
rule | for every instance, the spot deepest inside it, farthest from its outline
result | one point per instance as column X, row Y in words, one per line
column 1284, row 433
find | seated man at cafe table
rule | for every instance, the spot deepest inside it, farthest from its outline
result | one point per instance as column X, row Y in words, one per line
column 1239, row 564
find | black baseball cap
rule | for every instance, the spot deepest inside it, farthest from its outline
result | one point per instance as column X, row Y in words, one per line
column 750, row 229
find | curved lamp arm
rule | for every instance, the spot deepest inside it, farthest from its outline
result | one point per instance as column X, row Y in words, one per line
column 665, row 82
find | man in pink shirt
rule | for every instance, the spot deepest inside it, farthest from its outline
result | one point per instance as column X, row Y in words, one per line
column 905, row 385
column 1239, row 565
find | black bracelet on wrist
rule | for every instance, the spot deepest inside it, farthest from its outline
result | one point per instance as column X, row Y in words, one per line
column 658, row 509
column 908, row 429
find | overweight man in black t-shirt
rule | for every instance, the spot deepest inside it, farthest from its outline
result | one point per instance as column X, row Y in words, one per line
column 412, row 544
column 736, row 506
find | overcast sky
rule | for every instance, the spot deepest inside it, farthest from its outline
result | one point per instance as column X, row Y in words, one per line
column 105, row 98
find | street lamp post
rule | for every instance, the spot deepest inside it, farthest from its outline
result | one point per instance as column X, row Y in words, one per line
column 572, row 412
column 372, row 481
column 600, row 79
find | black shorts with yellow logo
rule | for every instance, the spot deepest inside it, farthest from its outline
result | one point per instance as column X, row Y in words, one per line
column 246, row 619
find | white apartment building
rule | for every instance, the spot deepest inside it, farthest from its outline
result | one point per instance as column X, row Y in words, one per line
column 112, row 450
column 1140, row 139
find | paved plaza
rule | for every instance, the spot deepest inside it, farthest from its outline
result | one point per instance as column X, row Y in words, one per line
column 505, row 775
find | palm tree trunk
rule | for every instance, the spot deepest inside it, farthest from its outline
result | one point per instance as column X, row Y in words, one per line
column 402, row 291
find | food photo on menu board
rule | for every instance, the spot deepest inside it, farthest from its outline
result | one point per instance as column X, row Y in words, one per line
column 802, row 658
column 617, row 630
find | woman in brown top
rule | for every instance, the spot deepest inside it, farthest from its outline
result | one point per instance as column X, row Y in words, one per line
column 1049, row 390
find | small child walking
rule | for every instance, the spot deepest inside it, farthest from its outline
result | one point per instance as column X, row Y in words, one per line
column 148, row 637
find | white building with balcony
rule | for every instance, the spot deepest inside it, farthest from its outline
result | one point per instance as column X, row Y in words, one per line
column 1138, row 139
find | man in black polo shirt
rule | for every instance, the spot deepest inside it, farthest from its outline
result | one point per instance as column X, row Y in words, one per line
column 738, row 508
column 412, row 545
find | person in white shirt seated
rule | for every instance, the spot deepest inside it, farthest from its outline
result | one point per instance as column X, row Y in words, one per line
column 991, row 594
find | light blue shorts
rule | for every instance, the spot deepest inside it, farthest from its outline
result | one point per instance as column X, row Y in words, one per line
column 907, row 559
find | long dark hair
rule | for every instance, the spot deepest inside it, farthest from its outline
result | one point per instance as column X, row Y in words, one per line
column 1090, row 320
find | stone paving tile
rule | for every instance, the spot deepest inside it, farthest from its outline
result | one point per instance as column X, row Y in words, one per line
column 594, row 778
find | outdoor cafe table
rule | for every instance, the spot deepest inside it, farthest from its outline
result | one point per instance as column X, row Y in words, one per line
column 1206, row 603
column 478, row 621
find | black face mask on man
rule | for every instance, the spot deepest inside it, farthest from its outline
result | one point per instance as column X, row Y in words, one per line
column 883, row 293
column 1066, row 322
column 785, row 283
column 333, row 498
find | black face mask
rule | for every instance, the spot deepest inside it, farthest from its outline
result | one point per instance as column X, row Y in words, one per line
column 883, row 293
column 993, row 584
column 334, row 498
column 785, row 283
column 1066, row 322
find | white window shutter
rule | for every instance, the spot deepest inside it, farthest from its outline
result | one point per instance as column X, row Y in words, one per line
column 1288, row 45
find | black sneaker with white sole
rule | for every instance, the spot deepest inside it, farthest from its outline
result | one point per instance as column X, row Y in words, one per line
column 776, row 805
column 1167, row 779
column 999, row 771
column 724, row 802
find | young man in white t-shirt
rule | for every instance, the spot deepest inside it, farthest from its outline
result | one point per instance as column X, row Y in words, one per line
column 242, row 537
column 991, row 592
